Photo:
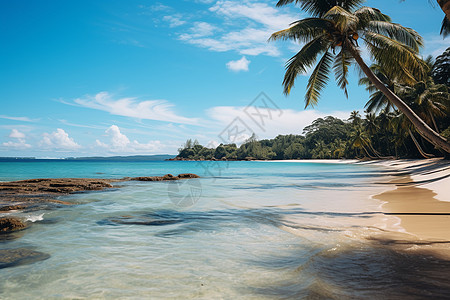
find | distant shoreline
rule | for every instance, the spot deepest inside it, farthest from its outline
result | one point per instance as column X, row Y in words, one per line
column 137, row 158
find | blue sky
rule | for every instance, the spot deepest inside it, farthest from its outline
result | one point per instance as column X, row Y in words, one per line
column 101, row 77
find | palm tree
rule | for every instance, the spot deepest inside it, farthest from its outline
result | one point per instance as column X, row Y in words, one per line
column 336, row 25
column 430, row 100
column 403, row 128
column 378, row 101
column 355, row 118
column 425, row 97
column 360, row 140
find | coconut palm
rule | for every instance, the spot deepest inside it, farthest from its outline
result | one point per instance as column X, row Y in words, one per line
column 355, row 118
column 360, row 140
column 333, row 31
column 377, row 100
column 403, row 127
column 429, row 100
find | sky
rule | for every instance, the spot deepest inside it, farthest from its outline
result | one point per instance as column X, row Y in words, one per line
column 136, row 77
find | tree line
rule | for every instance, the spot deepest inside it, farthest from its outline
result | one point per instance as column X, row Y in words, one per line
column 382, row 132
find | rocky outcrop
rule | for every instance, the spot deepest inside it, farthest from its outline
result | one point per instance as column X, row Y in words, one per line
column 26, row 194
column 53, row 186
column 10, row 224
column 165, row 177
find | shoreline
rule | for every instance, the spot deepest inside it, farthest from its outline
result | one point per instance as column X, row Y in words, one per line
column 419, row 200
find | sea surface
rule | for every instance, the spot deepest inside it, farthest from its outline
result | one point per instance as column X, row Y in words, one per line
column 244, row 230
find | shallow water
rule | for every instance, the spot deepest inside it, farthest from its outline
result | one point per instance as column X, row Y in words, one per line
column 250, row 230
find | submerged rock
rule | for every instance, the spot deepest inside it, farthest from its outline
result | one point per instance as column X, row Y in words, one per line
column 20, row 256
column 166, row 177
column 10, row 224
column 140, row 220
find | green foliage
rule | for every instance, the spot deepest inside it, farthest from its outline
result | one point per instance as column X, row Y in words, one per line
column 339, row 27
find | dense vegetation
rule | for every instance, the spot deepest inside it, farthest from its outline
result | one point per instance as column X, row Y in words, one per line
column 383, row 131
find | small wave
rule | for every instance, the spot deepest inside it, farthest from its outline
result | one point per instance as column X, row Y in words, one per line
column 34, row 218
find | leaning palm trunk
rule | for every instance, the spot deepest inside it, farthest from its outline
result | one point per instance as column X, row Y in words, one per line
column 445, row 6
column 425, row 155
column 420, row 125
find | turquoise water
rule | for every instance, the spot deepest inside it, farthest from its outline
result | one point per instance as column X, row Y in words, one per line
column 245, row 230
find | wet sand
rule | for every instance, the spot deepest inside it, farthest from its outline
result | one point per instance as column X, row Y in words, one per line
column 420, row 201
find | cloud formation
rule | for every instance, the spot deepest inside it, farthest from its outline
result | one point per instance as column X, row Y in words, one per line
column 159, row 110
column 174, row 20
column 16, row 134
column 238, row 65
column 255, row 23
column 59, row 140
column 19, row 143
column 119, row 142
column 23, row 119
column 272, row 121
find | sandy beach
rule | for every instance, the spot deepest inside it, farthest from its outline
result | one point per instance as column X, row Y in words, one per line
column 419, row 198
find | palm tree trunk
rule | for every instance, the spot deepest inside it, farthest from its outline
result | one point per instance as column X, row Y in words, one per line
column 425, row 155
column 367, row 152
column 445, row 6
column 420, row 125
column 434, row 121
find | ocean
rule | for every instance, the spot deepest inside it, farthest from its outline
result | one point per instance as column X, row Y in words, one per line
column 244, row 230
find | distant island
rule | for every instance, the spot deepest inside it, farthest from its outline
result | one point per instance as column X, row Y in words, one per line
column 137, row 158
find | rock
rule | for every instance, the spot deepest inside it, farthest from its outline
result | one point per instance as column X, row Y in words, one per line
column 139, row 220
column 14, row 257
column 13, row 207
column 28, row 194
column 187, row 176
column 169, row 177
column 53, row 186
column 166, row 177
column 10, row 224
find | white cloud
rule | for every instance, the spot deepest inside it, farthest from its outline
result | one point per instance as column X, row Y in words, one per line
column 60, row 140
column 174, row 20
column 246, row 27
column 198, row 30
column 159, row 110
column 435, row 45
column 23, row 119
column 238, row 65
column 16, row 134
column 257, row 12
column 119, row 142
column 19, row 145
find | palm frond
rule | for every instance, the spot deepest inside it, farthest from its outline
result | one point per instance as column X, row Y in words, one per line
column 395, row 31
column 341, row 64
column 318, row 79
column 367, row 14
column 395, row 57
column 445, row 28
column 303, row 60
column 303, row 30
column 342, row 18
column 320, row 7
